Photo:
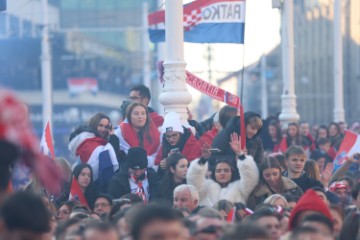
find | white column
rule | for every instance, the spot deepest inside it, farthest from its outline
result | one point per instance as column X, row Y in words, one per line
column 339, row 112
column 146, row 52
column 46, row 68
column 264, row 97
column 175, row 96
column 288, row 98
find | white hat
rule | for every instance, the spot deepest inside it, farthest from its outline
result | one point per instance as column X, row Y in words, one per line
column 172, row 123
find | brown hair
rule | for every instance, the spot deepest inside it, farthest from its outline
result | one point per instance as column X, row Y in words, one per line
column 294, row 150
column 95, row 120
column 144, row 131
column 255, row 122
column 312, row 169
column 269, row 162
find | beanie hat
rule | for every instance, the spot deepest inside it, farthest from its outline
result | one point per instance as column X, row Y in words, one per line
column 172, row 123
column 137, row 158
column 310, row 201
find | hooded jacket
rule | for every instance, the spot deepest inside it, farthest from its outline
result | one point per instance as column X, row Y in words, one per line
column 310, row 201
column 237, row 191
column 253, row 145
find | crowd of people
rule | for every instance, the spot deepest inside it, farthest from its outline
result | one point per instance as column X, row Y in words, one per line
column 155, row 177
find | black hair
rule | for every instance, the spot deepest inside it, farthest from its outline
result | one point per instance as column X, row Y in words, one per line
column 25, row 211
column 319, row 218
column 143, row 90
column 108, row 197
column 246, row 231
column 150, row 213
column 275, row 123
column 289, row 198
column 318, row 189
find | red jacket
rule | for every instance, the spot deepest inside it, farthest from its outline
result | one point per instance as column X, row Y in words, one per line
column 157, row 119
column 191, row 150
column 208, row 137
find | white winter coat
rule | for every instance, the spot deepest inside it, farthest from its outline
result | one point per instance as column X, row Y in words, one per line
column 211, row 192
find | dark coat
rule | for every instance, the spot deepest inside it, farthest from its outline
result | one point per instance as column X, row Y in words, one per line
column 254, row 145
column 119, row 185
column 305, row 182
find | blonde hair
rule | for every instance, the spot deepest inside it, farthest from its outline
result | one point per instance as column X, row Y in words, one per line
column 255, row 122
column 272, row 199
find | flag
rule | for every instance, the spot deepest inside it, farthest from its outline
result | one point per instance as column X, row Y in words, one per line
column 76, row 194
column 349, row 146
column 46, row 143
column 80, row 85
column 231, row 215
column 101, row 156
column 205, row 21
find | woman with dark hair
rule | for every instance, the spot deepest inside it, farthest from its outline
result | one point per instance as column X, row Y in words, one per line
column 275, row 134
column 89, row 144
column 101, row 124
column 138, row 130
column 322, row 132
column 272, row 182
column 223, row 184
column 335, row 135
column 293, row 137
column 83, row 180
column 175, row 175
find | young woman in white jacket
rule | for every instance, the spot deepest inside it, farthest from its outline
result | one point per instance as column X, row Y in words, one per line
column 222, row 184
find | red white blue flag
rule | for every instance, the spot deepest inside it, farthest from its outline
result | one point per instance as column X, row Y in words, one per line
column 349, row 146
column 205, row 21
column 46, row 143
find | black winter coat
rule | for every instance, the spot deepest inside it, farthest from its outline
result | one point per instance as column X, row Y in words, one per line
column 254, row 145
column 119, row 184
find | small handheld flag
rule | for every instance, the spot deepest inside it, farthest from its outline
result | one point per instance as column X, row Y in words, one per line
column 46, row 143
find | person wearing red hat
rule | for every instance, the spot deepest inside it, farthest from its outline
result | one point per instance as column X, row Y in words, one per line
column 308, row 204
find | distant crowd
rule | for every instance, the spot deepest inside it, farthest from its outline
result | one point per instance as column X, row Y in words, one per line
column 153, row 177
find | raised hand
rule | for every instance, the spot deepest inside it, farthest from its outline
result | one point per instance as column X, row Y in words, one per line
column 327, row 173
column 235, row 144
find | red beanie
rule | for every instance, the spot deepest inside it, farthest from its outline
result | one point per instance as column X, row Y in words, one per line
column 310, row 201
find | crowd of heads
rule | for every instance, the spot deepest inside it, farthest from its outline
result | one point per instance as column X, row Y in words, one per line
column 155, row 177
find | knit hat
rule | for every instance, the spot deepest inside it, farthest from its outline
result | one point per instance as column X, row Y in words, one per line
column 310, row 201
column 172, row 123
column 137, row 158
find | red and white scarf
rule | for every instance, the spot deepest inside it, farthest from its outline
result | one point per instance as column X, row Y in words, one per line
column 140, row 187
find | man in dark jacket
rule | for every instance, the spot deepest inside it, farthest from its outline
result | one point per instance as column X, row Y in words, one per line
column 135, row 177
column 295, row 158
column 253, row 126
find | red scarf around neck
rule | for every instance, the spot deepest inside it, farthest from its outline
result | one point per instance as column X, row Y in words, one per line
column 132, row 139
column 140, row 191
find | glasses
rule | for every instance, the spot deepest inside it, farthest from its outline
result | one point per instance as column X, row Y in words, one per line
column 171, row 136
